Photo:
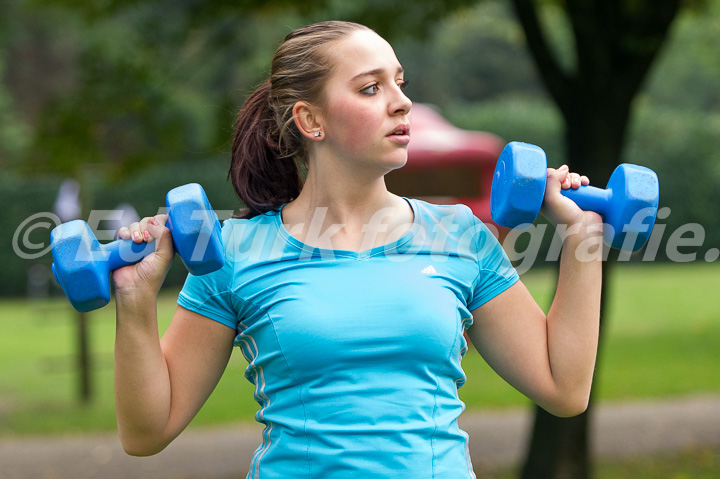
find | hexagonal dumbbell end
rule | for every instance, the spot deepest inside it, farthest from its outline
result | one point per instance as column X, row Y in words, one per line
column 83, row 279
column 195, row 229
column 518, row 186
column 633, row 206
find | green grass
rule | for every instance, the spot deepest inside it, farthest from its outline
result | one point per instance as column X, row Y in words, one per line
column 661, row 336
column 696, row 464
column 661, row 339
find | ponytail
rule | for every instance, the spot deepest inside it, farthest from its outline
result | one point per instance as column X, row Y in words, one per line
column 267, row 146
column 263, row 178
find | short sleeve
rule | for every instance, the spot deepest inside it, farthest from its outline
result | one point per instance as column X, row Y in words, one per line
column 209, row 294
column 495, row 271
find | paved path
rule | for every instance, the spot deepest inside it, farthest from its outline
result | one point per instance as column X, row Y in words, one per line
column 496, row 439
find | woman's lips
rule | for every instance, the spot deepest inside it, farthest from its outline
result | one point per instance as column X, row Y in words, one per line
column 401, row 134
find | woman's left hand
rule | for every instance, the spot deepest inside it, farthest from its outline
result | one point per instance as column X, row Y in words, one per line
column 560, row 210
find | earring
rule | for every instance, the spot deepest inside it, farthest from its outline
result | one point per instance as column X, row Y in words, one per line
column 318, row 134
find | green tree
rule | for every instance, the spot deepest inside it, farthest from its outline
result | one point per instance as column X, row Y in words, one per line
column 614, row 46
column 157, row 81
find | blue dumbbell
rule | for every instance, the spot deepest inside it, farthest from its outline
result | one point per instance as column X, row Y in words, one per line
column 82, row 266
column 628, row 204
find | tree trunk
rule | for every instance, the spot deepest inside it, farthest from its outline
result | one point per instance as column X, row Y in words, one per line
column 615, row 46
column 559, row 448
column 83, row 359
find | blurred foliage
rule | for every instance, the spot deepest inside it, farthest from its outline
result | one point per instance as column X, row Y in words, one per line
column 472, row 56
column 147, row 93
column 135, row 83
column 384, row 16
column 673, row 129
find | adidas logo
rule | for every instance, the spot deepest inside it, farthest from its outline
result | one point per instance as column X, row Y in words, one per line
column 428, row 270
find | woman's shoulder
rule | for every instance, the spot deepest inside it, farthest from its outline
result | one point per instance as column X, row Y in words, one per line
column 236, row 231
column 455, row 224
column 237, row 224
column 458, row 214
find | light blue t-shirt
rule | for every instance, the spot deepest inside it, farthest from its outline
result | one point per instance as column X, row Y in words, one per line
column 355, row 357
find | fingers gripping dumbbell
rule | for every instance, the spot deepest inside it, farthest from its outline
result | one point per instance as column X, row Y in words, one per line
column 82, row 266
column 628, row 204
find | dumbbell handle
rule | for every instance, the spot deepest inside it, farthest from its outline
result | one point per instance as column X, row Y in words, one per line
column 589, row 198
column 118, row 253
column 124, row 252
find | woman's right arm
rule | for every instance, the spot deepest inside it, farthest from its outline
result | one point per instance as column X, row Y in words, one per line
column 160, row 384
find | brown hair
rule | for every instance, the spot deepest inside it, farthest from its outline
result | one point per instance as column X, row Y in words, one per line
column 267, row 146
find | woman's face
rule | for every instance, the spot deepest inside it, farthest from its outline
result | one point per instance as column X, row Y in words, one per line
column 366, row 113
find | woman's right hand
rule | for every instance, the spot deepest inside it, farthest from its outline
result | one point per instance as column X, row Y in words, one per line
column 143, row 279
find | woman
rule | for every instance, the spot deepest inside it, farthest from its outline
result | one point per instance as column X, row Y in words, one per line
column 349, row 302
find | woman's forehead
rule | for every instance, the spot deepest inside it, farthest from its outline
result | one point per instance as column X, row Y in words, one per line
column 364, row 52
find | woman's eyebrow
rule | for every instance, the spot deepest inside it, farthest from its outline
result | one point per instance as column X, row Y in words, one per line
column 375, row 72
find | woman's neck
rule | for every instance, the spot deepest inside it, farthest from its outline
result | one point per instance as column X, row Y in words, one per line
column 336, row 212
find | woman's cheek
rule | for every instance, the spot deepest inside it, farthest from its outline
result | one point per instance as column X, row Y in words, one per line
column 357, row 126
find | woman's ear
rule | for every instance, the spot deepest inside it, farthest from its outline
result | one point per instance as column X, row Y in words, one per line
column 308, row 120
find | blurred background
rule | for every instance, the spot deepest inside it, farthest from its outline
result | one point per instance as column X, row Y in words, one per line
column 108, row 104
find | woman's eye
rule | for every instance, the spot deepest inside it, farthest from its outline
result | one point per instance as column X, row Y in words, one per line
column 371, row 90
column 403, row 84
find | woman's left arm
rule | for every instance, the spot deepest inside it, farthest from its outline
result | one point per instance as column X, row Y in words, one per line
column 550, row 358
